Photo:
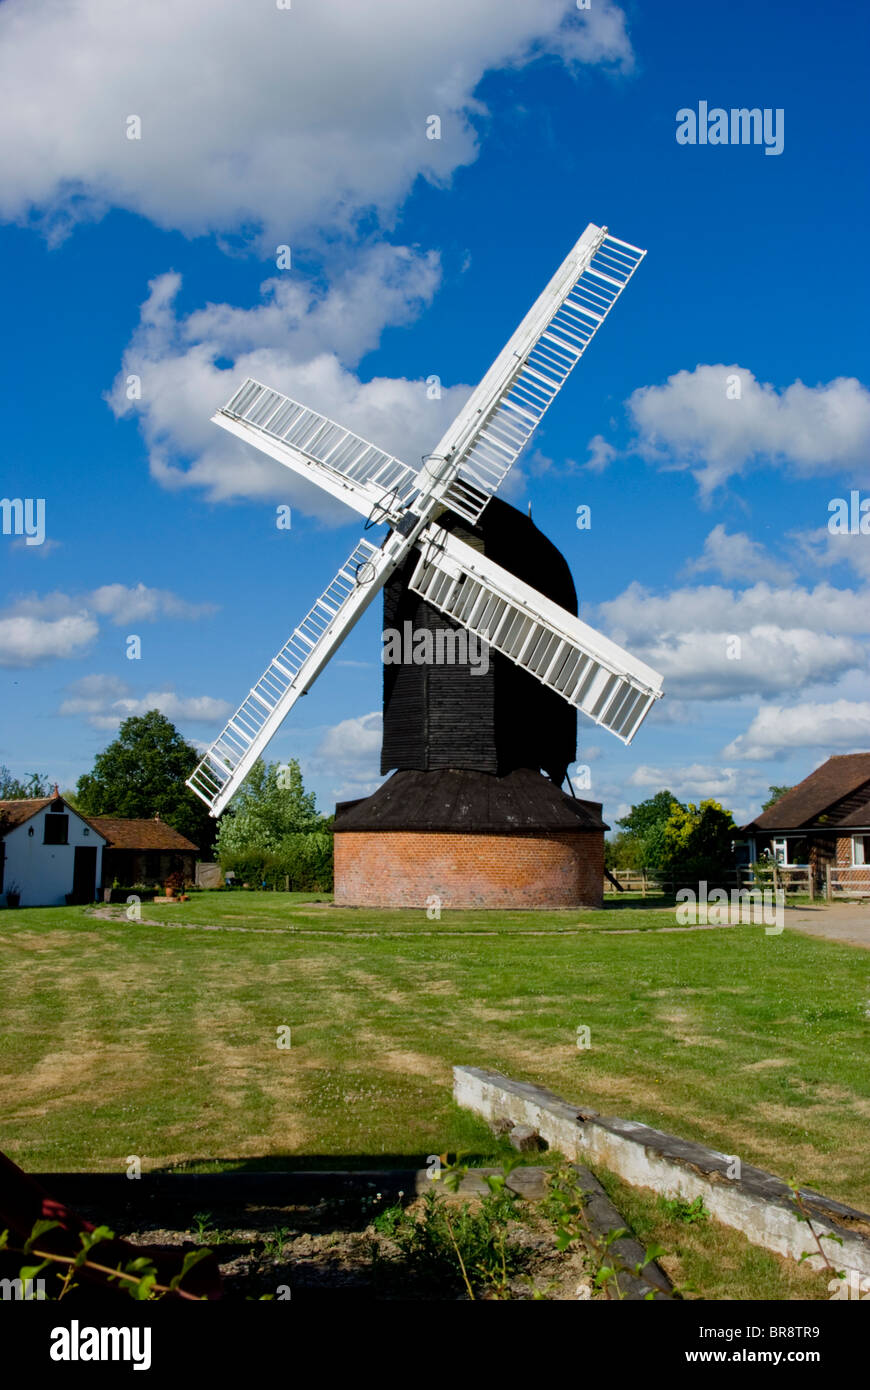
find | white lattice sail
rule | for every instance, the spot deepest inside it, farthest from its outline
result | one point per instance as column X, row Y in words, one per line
column 587, row 669
column 511, row 400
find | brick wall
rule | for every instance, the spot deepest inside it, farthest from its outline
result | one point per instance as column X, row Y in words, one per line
column 403, row 868
column 858, row 878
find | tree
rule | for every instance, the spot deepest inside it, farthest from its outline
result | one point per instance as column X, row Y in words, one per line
column 142, row 774
column 641, row 844
column 273, row 831
column 775, row 794
column 13, row 789
column 271, row 804
column 697, row 843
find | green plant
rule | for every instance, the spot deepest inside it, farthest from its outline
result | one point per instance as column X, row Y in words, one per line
column 273, row 1245
column 565, row 1205
column 467, row 1245
column 201, row 1223
column 681, row 1210
column 138, row 1277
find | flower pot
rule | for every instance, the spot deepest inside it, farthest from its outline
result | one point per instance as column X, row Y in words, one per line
column 13, row 899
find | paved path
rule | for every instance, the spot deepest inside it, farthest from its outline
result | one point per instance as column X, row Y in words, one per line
column 849, row 922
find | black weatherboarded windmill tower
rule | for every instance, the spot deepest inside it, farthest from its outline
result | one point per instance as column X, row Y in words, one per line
column 469, row 817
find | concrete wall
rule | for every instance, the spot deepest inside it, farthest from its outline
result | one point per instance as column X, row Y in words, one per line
column 395, row 868
column 44, row 873
column 744, row 1197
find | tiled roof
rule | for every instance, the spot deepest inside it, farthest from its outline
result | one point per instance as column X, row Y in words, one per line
column 15, row 812
column 140, row 834
column 840, row 776
column 469, row 802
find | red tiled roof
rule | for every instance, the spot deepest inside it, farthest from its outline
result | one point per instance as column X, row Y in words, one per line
column 15, row 812
column 121, row 833
column 841, row 775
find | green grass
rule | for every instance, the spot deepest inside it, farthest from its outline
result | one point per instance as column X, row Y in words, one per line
column 316, row 913
column 706, row 1259
column 120, row 1038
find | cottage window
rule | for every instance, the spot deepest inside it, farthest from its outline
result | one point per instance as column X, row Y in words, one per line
column 861, row 849
column 56, row 829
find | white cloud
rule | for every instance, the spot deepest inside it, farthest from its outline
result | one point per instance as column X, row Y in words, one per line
column 697, row 782
column 601, row 454
column 182, row 386
column 840, row 724
column 105, row 701
column 350, row 750
column 739, row 558
column 691, row 423
column 141, row 604
column 295, row 123
column 91, row 694
column 788, row 637
column 822, row 547
column 26, row 640
column 57, row 626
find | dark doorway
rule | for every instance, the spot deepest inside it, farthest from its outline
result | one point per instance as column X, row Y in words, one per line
column 85, row 873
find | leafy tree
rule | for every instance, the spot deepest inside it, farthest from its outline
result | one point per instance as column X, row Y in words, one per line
column 273, row 831
column 642, row 839
column 775, row 794
column 697, row 843
column 271, row 804
column 142, row 774
column 13, row 789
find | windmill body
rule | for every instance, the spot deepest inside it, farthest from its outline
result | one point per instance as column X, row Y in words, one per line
column 452, row 557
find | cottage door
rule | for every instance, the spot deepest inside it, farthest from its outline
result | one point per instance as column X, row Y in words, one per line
column 85, row 874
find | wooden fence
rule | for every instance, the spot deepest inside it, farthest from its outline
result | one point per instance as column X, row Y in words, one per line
column 841, row 882
column 795, row 878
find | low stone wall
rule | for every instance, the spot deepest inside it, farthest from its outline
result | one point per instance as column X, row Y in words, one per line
column 754, row 1202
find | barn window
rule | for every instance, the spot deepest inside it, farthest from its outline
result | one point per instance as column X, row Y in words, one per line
column 861, row 849
column 56, row 829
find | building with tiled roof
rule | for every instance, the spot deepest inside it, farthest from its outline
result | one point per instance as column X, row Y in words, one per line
column 50, row 854
column 824, row 821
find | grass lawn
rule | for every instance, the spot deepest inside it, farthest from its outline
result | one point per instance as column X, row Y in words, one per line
column 123, row 1038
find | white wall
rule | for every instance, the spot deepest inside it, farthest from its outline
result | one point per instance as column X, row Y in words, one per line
column 44, row 873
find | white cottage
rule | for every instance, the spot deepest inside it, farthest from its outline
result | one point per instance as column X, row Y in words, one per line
column 49, row 854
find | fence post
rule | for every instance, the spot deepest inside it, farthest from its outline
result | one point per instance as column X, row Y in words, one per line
column 286, row 883
column 827, row 883
column 810, row 882
column 643, row 883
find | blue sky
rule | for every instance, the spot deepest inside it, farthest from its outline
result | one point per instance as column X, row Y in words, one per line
column 411, row 257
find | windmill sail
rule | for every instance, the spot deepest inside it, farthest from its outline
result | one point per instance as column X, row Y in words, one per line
column 502, row 413
column 586, row 668
column 289, row 674
column 343, row 463
column 468, row 466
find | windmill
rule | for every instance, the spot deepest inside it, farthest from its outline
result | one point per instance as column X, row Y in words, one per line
column 423, row 508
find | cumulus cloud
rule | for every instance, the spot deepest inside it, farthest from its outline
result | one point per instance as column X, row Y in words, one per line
column 350, row 750
column 105, row 701
column 825, row 549
column 263, row 122
column 739, row 558
column 282, row 342
column 141, row 604
column 56, row 626
column 840, row 724
column 28, row 639
column 786, row 638
column 697, row 782
column 692, row 423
